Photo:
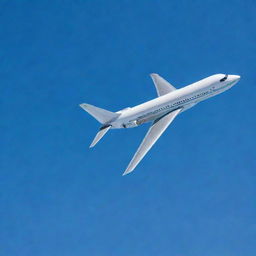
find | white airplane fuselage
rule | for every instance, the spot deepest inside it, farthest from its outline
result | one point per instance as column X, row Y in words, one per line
column 160, row 111
column 183, row 98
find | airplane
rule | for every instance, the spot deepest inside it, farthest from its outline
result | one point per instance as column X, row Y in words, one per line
column 160, row 111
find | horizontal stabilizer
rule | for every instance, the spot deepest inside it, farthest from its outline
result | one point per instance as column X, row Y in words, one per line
column 100, row 114
column 103, row 130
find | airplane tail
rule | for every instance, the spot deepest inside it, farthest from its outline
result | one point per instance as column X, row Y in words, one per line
column 100, row 114
column 103, row 116
column 103, row 130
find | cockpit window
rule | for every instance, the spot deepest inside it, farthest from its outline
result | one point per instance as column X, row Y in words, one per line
column 224, row 78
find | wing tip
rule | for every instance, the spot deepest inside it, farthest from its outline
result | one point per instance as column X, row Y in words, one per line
column 83, row 106
column 127, row 171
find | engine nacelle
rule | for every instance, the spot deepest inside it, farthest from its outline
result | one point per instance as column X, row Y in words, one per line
column 134, row 123
column 131, row 124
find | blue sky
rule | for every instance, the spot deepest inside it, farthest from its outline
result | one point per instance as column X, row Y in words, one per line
column 193, row 194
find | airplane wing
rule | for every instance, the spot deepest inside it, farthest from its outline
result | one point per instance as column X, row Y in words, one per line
column 162, row 86
column 153, row 134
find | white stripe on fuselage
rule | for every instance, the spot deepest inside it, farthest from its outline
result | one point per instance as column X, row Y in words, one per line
column 180, row 98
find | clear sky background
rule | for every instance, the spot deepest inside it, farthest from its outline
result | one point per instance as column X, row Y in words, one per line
column 193, row 194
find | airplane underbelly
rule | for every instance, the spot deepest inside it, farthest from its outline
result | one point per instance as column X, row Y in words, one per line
column 138, row 121
column 150, row 118
column 188, row 106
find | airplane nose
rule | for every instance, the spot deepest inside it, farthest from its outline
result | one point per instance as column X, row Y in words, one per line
column 235, row 77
